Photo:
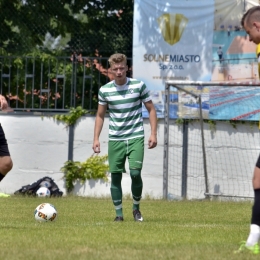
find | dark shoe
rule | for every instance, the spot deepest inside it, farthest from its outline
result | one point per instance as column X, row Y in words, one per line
column 137, row 215
column 119, row 218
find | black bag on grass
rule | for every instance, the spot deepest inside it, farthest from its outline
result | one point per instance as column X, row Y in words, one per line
column 47, row 182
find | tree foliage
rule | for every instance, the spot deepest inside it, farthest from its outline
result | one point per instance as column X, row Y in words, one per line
column 90, row 26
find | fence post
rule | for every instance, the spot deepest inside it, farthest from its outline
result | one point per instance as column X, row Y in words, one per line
column 184, row 159
column 203, row 149
column 166, row 139
column 74, row 78
column 70, row 143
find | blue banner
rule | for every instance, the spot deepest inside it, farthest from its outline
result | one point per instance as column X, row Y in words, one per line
column 196, row 40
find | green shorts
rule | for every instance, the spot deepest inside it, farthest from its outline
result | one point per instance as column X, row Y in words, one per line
column 118, row 151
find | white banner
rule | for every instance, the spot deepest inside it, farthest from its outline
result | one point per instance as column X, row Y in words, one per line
column 199, row 40
column 172, row 41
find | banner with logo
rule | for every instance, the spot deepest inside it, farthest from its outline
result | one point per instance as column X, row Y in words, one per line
column 172, row 40
column 195, row 40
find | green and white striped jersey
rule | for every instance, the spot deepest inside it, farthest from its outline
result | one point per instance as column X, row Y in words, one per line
column 125, row 108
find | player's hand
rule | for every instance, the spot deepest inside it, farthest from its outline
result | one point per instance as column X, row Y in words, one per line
column 96, row 147
column 152, row 142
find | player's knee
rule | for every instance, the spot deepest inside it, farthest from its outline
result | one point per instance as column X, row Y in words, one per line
column 135, row 173
column 6, row 164
column 256, row 183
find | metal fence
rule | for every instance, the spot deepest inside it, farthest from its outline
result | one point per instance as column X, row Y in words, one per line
column 53, row 54
column 201, row 161
column 50, row 83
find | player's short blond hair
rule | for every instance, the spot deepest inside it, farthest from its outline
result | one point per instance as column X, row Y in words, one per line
column 117, row 58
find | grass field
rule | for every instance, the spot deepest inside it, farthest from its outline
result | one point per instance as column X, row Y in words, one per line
column 85, row 230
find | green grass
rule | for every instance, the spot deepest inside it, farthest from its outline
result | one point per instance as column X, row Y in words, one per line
column 85, row 230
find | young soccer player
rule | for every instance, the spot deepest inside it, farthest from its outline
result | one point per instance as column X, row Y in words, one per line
column 123, row 97
column 251, row 23
column 6, row 163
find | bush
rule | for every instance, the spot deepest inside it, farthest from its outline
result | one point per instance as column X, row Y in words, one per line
column 94, row 167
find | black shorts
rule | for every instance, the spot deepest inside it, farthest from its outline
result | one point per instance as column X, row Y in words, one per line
column 258, row 162
column 4, row 151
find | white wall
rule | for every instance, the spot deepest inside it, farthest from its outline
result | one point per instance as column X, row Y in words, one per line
column 39, row 147
column 231, row 153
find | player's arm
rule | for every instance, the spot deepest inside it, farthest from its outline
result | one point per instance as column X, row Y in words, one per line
column 152, row 141
column 3, row 103
column 98, row 127
column 258, row 52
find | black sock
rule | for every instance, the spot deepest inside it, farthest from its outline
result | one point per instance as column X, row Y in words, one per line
column 256, row 209
column 1, row 176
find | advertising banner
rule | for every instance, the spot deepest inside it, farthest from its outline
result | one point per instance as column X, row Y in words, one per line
column 196, row 40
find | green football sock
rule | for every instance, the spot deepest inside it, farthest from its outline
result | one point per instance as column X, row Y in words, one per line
column 137, row 187
column 116, row 192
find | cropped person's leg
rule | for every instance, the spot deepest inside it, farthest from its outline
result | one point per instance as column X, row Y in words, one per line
column 251, row 244
column 254, row 235
column 6, row 163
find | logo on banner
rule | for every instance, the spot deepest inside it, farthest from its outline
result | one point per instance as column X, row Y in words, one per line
column 172, row 27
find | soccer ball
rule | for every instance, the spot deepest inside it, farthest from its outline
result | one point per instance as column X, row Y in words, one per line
column 45, row 212
column 43, row 192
